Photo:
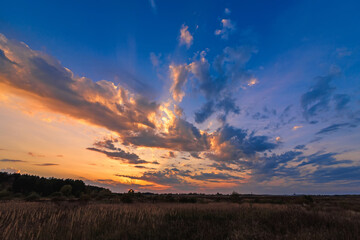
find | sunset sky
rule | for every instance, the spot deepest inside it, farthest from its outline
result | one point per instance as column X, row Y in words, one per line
column 183, row 96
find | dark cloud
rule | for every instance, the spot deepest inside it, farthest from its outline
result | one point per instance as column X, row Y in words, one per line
column 220, row 80
column 204, row 112
column 335, row 127
column 330, row 174
column 165, row 177
column 171, row 154
column 341, row 101
column 195, row 155
column 323, row 159
column 120, row 154
column 318, row 97
column 300, row 147
column 223, row 167
column 215, row 177
column 232, row 144
column 108, row 148
column 11, row 160
column 46, row 164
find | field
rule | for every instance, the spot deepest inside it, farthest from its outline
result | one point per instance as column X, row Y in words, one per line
column 256, row 218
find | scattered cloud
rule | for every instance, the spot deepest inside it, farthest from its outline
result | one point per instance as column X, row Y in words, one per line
column 115, row 152
column 12, row 160
column 335, row 127
column 185, row 36
column 179, row 76
column 35, row 155
column 294, row 128
column 228, row 27
column 10, row 170
column 46, row 164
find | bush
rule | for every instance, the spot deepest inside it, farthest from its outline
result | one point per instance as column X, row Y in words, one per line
column 32, row 197
column 187, row 199
column 126, row 198
column 5, row 194
column 66, row 190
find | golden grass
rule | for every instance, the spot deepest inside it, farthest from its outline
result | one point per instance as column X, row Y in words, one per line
column 39, row 220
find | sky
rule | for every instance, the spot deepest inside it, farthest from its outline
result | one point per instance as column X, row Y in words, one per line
column 183, row 96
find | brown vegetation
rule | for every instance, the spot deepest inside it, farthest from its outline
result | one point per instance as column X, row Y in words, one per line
column 326, row 218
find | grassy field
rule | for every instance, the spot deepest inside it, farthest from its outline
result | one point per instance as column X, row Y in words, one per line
column 326, row 218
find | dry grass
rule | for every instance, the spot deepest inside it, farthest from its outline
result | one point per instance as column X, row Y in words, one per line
column 32, row 220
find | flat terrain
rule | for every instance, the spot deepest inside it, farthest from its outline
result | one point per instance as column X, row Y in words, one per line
column 323, row 218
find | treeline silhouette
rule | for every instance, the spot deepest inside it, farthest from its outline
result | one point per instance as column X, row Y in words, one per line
column 24, row 185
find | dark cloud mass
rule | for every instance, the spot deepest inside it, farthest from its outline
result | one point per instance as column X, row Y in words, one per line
column 116, row 153
column 318, row 97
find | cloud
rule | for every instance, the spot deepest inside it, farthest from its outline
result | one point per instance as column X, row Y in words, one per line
column 10, row 170
column 318, row 97
column 326, row 159
column 46, row 164
column 115, row 152
column 40, row 77
column 330, row 174
column 215, row 177
column 204, row 112
column 230, row 144
column 179, row 76
column 155, row 59
column 341, row 101
column 12, row 160
column 300, row 147
column 219, row 81
column 294, row 128
column 334, row 128
column 35, row 155
column 228, row 27
column 168, row 176
column 185, row 36
column 153, row 5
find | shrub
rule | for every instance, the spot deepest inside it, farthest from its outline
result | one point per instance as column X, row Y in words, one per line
column 126, row 198
column 32, row 197
column 66, row 190
column 5, row 194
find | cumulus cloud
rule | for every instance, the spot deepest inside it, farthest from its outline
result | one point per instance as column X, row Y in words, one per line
column 231, row 145
column 185, row 36
column 219, row 81
column 228, row 27
column 179, row 76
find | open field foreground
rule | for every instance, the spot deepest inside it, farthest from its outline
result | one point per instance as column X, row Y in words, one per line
column 42, row 220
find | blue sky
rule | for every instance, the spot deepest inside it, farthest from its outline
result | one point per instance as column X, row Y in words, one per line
column 258, row 96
